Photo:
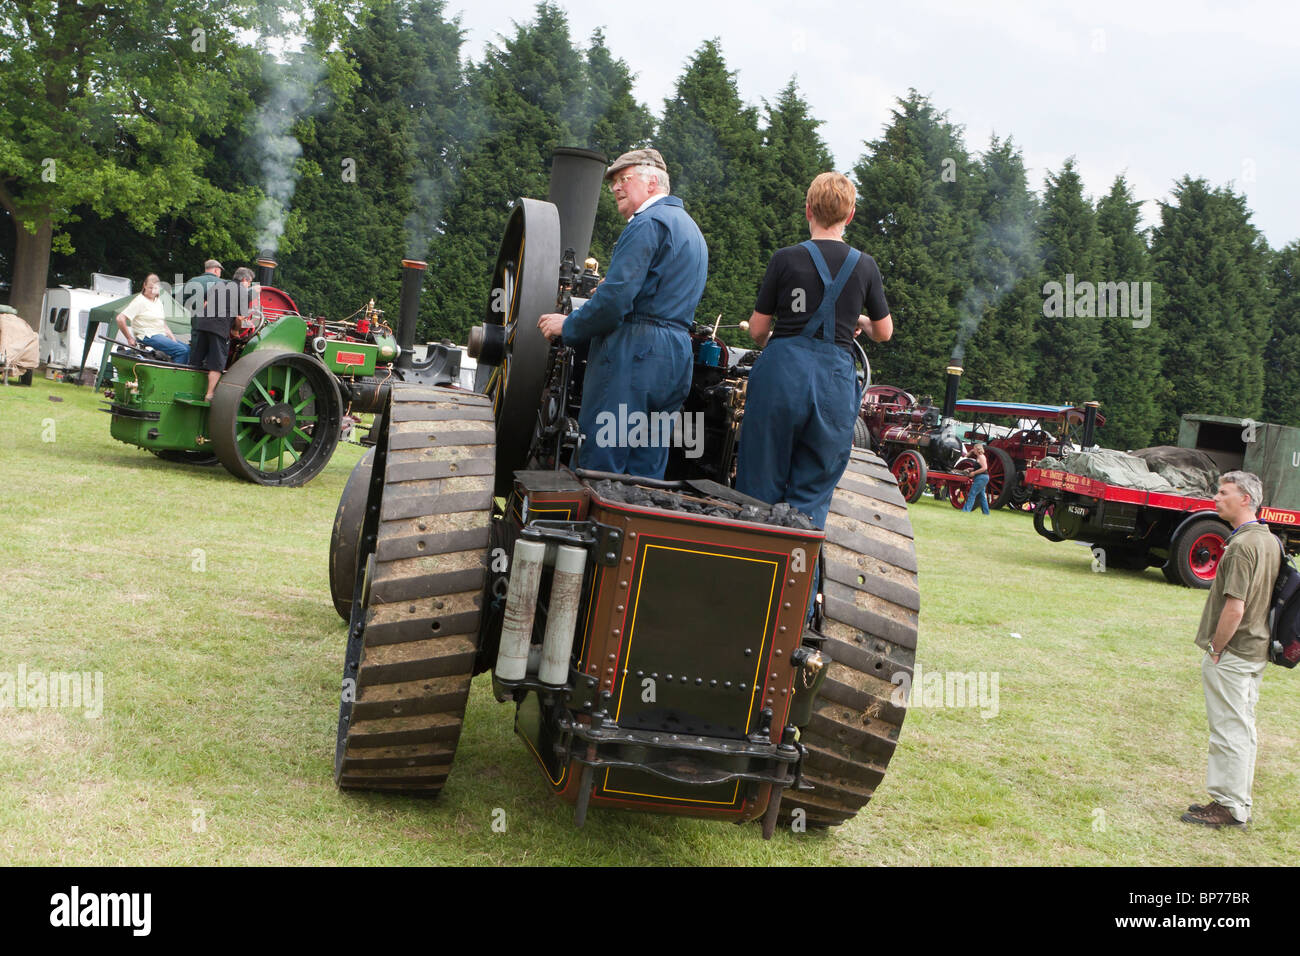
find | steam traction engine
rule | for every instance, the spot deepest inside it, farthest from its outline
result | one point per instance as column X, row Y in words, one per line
column 923, row 445
column 277, row 413
column 664, row 643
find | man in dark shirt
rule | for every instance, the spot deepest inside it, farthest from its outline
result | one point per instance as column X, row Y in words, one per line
column 209, row 324
column 1234, row 634
column 802, row 398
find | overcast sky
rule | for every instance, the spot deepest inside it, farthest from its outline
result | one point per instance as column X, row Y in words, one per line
column 1152, row 90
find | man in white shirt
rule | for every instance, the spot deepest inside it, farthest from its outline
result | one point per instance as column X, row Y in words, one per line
column 144, row 321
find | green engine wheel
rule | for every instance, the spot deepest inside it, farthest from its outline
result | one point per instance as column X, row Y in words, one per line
column 276, row 418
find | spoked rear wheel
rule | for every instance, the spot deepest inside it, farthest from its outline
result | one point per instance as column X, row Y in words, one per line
column 523, row 289
column 275, row 418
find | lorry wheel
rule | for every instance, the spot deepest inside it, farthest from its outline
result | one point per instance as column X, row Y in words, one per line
column 345, row 536
column 1195, row 555
column 414, row 628
column 870, row 608
column 275, row 418
column 910, row 473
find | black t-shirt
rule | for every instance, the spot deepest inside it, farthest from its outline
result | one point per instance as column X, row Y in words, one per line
column 792, row 281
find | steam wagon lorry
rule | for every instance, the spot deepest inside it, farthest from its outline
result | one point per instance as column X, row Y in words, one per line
column 1181, row 534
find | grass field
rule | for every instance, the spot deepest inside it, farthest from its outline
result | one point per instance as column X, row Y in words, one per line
column 203, row 602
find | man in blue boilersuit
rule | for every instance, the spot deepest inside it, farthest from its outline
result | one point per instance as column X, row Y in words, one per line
column 638, row 319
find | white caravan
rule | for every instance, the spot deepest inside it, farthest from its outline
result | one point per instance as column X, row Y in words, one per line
column 65, row 313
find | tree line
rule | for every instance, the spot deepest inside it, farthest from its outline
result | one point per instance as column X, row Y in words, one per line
column 397, row 144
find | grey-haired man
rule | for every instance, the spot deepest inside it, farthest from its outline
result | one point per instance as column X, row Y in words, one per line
column 1234, row 635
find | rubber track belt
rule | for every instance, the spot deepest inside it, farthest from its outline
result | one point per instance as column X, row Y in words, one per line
column 871, row 608
column 411, row 657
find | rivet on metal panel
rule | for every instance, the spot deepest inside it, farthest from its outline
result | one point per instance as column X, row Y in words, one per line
column 615, row 632
column 422, row 526
column 792, row 580
column 787, row 605
column 613, row 657
column 726, row 683
column 609, row 670
column 749, row 651
column 713, row 683
column 782, row 629
column 619, row 609
column 628, row 559
column 622, row 584
column 778, row 650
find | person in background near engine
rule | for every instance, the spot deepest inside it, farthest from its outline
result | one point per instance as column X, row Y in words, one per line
column 639, row 318
column 802, row 398
column 1234, row 633
column 980, row 481
column 144, row 321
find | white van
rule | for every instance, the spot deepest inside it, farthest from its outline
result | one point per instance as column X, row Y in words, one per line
column 65, row 313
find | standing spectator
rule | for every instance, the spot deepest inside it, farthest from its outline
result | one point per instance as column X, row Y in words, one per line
column 1234, row 634
column 144, row 321
column 981, row 481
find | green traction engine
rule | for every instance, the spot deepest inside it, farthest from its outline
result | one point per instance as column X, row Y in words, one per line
column 277, row 413
column 669, row 646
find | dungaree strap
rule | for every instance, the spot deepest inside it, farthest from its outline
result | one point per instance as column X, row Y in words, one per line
column 822, row 323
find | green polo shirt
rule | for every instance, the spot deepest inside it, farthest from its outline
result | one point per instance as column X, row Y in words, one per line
column 1247, row 571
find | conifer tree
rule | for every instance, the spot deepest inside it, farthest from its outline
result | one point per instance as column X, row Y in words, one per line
column 1282, row 357
column 711, row 143
column 1130, row 387
column 1069, row 339
column 1211, row 266
column 917, row 195
column 793, row 154
column 1001, row 304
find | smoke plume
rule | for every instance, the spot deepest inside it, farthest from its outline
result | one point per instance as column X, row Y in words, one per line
column 294, row 84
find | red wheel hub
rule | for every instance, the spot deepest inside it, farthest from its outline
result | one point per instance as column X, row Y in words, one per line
column 1204, row 555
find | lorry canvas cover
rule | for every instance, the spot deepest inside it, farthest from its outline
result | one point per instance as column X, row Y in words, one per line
column 1151, row 469
column 1270, row 451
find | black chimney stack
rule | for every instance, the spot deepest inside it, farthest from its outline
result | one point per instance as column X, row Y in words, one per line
column 412, row 280
column 950, row 393
column 576, row 178
column 265, row 268
column 1089, row 423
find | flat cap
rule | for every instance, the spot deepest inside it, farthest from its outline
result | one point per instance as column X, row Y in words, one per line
column 637, row 157
column 213, row 264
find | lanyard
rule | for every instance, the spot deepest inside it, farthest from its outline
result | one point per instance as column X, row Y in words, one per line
column 1243, row 524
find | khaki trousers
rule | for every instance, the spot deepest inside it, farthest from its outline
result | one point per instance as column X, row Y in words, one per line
column 1231, row 692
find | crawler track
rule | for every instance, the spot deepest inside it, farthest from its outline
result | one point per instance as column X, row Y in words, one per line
column 871, row 607
column 414, row 627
